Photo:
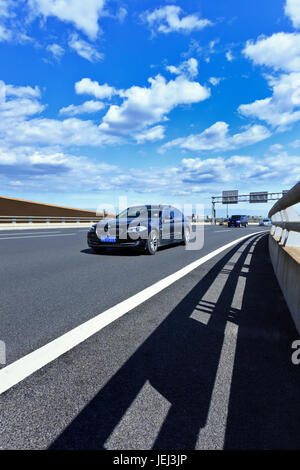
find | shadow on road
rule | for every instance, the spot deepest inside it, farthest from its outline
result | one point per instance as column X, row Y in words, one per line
column 126, row 251
column 181, row 358
column 112, row 252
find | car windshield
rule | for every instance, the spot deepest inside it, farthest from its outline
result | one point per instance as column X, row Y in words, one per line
column 139, row 211
column 236, row 216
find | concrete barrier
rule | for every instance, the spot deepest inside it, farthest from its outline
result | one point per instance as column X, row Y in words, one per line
column 286, row 264
column 284, row 247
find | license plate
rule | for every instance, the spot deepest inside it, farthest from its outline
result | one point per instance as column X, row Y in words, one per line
column 108, row 239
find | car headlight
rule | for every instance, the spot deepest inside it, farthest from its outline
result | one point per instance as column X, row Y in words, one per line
column 93, row 228
column 138, row 228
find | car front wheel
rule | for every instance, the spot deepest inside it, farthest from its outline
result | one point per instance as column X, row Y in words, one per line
column 152, row 243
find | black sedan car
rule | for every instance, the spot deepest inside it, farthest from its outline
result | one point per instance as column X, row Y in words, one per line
column 141, row 227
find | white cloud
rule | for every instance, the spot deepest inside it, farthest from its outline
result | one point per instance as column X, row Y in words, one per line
column 83, row 14
column 274, row 168
column 295, row 144
column 196, row 170
column 88, row 87
column 141, row 107
column 84, row 49
column 52, row 169
column 50, row 157
column 9, row 27
column 5, row 34
column 216, row 138
column 56, row 50
column 18, row 91
column 71, row 131
column 251, row 169
column 18, row 102
column 292, row 9
column 150, row 135
column 212, row 44
column 144, row 106
column 121, row 15
column 229, row 56
column 167, row 19
column 215, row 80
column 86, row 107
column 280, row 51
column 283, row 107
column 7, row 157
column 188, row 67
column 18, row 105
column 276, row 148
column 5, row 8
column 19, row 109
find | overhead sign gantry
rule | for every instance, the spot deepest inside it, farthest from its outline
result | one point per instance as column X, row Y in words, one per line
column 233, row 197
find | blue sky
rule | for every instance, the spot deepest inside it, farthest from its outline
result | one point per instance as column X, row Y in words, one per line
column 159, row 101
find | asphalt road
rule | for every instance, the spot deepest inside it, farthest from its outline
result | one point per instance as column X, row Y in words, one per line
column 205, row 363
column 52, row 282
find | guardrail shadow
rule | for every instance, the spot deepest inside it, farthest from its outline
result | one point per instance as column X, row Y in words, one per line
column 264, row 406
column 180, row 360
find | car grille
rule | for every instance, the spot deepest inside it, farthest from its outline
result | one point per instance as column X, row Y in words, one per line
column 93, row 238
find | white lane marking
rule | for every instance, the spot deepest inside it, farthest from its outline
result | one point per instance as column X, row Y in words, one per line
column 38, row 236
column 27, row 365
column 27, row 234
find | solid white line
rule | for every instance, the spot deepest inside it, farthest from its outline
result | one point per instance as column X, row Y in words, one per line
column 38, row 236
column 27, row 365
column 27, row 234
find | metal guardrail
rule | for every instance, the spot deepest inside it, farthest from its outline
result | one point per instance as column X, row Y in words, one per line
column 289, row 199
column 290, row 226
column 46, row 219
column 285, row 219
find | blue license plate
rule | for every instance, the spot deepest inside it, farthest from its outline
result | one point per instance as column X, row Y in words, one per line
column 108, row 239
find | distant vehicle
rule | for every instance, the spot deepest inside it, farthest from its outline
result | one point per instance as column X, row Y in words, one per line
column 238, row 221
column 265, row 223
column 223, row 222
column 141, row 227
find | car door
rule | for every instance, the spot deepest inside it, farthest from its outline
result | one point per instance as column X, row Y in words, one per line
column 167, row 226
column 178, row 224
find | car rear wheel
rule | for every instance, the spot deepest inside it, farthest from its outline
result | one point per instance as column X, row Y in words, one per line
column 152, row 243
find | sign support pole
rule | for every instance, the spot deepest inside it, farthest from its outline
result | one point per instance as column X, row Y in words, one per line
column 213, row 210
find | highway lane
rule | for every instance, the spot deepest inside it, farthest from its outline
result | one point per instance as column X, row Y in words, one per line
column 52, row 282
column 190, row 368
